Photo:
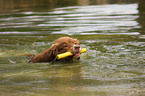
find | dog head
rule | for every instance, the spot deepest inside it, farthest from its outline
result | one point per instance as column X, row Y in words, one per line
column 67, row 44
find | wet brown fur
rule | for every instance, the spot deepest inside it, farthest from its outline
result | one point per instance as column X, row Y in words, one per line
column 60, row 45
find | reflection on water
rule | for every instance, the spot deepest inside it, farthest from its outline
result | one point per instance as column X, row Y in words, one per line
column 113, row 65
column 103, row 19
column 45, row 5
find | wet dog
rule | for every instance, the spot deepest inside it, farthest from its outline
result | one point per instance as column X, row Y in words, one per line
column 61, row 45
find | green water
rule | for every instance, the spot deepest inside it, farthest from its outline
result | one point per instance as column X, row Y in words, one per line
column 112, row 66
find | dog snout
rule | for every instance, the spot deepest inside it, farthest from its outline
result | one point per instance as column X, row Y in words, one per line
column 77, row 48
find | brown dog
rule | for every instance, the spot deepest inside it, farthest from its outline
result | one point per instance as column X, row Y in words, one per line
column 61, row 45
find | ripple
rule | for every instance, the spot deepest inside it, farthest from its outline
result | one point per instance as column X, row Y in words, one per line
column 97, row 19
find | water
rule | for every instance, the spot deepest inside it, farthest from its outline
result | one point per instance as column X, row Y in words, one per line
column 112, row 66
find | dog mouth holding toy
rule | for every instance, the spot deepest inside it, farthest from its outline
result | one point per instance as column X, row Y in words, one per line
column 76, row 51
column 72, row 48
column 71, row 55
column 75, row 54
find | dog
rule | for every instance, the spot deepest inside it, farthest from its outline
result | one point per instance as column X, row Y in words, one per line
column 60, row 45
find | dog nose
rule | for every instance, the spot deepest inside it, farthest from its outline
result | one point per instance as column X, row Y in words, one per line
column 76, row 46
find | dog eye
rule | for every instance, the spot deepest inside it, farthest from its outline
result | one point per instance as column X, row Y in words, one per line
column 65, row 45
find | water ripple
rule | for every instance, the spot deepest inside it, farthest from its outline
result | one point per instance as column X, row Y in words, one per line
column 99, row 19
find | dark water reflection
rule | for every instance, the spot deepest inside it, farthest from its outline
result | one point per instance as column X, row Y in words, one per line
column 113, row 65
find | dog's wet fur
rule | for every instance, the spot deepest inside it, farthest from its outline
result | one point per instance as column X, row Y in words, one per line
column 61, row 45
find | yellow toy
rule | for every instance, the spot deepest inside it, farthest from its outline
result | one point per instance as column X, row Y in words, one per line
column 66, row 54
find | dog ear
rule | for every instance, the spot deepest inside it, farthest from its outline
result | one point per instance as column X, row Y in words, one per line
column 47, row 56
column 53, row 51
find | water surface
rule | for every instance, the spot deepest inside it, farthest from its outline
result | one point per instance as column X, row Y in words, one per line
column 113, row 65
